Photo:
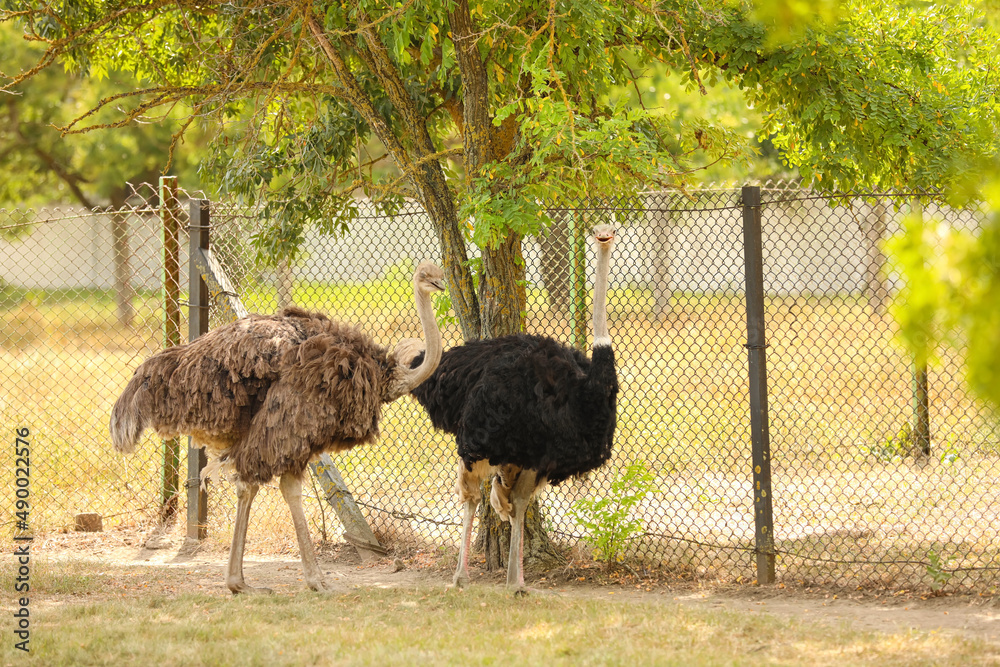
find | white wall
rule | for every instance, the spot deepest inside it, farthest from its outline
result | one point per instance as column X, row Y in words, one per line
column 809, row 248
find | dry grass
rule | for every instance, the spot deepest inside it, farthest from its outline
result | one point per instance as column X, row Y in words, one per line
column 101, row 614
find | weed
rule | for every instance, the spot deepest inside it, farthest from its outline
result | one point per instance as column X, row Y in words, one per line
column 936, row 568
column 895, row 447
column 607, row 520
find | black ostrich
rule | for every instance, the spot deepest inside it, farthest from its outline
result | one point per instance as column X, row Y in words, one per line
column 528, row 410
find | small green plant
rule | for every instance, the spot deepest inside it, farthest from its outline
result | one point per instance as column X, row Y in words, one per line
column 950, row 452
column 894, row 448
column 936, row 569
column 607, row 520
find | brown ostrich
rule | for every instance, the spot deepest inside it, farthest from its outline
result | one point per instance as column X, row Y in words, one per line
column 266, row 394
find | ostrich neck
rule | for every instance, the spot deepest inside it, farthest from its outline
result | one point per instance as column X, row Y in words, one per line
column 432, row 342
column 601, row 336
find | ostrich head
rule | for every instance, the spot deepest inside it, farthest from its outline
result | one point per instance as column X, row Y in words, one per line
column 604, row 236
column 428, row 278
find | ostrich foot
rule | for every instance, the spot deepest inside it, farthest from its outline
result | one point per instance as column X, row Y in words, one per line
column 525, row 591
column 459, row 582
column 320, row 586
column 240, row 588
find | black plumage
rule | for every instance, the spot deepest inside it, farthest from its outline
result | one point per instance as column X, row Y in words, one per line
column 526, row 401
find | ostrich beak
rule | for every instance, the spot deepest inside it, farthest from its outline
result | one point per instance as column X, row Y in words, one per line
column 604, row 233
column 437, row 284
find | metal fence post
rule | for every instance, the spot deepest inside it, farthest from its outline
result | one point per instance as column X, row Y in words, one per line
column 921, row 409
column 197, row 497
column 921, row 398
column 757, row 355
column 170, row 290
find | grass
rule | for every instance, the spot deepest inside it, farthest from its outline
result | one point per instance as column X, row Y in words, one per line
column 85, row 617
column 51, row 578
column 839, row 395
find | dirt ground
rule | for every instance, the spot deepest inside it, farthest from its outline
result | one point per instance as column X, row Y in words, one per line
column 176, row 567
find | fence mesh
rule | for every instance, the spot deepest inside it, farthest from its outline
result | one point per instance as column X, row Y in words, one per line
column 73, row 330
column 858, row 500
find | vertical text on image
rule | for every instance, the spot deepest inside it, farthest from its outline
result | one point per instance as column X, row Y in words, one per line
column 22, row 505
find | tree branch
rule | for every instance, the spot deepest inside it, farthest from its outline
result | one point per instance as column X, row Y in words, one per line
column 69, row 179
column 359, row 99
column 425, row 173
column 171, row 94
column 476, row 125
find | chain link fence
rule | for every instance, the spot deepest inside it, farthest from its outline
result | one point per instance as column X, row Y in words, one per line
column 80, row 307
column 882, row 475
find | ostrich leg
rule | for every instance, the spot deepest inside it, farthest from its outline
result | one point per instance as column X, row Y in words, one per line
column 469, row 493
column 521, row 493
column 461, row 579
column 245, row 494
column 291, row 490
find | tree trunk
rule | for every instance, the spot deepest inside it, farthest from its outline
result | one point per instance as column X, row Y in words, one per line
column 426, row 175
column 502, row 296
column 554, row 243
column 501, row 289
column 123, row 276
column 494, row 537
column 502, row 282
column 438, row 202
column 460, row 284
column 874, row 229
column 502, row 299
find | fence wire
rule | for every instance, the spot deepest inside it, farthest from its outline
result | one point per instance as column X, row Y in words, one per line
column 869, row 489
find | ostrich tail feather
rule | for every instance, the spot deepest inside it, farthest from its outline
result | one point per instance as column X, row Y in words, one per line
column 128, row 417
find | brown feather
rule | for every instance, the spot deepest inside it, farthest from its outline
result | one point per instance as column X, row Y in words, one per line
column 265, row 393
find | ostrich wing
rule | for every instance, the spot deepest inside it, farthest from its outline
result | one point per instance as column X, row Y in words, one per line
column 211, row 387
column 326, row 399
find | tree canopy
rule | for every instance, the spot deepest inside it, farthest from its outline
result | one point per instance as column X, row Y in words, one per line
column 485, row 110
column 92, row 169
